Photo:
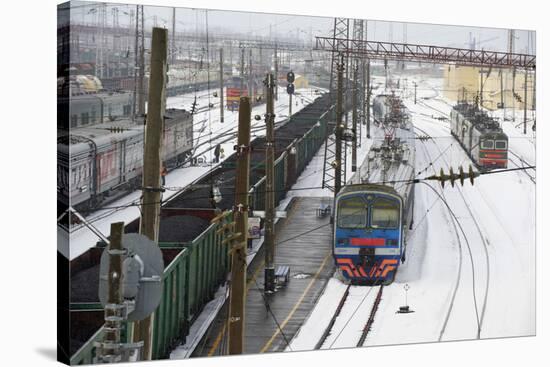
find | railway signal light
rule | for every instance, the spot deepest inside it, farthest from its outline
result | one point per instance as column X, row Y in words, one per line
column 290, row 89
column 290, row 77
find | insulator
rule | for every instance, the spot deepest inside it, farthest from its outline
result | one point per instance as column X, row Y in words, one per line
column 451, row 177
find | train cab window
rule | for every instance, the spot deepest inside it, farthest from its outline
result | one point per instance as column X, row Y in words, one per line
column 500, row 144
column 488, row 144
column 352, row 213
column 385, row 213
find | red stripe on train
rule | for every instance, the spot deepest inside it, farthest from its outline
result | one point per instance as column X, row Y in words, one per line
column 367, row 241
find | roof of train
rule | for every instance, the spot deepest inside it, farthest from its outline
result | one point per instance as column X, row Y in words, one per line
column 398, row 169
column 478, row 117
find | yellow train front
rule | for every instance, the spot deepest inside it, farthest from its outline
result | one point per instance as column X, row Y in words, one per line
column 369, row 223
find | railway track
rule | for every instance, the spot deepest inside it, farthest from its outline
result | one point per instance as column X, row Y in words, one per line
column 484, row 242
column 371, row 307
column 519, row 162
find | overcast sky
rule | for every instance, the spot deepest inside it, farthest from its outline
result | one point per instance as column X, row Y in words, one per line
column 306, row 27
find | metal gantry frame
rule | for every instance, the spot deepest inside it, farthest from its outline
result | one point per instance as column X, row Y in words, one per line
column 428, row 53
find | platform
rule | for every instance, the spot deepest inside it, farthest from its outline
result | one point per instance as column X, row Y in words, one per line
column 310, row 261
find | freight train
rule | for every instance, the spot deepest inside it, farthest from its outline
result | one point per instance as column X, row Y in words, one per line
column 480, row 135
column 105, row 160
column 238, row 87
column 374, row 212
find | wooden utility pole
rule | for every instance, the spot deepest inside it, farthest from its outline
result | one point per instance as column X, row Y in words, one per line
column 151, row 197
column 525, row 103
column 237, row 294
column 221, row 84
column 269, row 241
column 114, row 297
column 339, row 128
column 354, row 117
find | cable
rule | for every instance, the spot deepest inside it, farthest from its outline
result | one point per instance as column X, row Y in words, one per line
column 267, row 307
column 410, row 181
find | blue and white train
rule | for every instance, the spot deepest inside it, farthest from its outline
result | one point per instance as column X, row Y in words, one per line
column 374, row 211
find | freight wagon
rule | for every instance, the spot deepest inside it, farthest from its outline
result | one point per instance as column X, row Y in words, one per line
column 197, row 266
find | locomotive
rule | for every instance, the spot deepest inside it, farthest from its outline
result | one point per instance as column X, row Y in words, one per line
column 480, row 135
column 375, row 211
column 233, row 92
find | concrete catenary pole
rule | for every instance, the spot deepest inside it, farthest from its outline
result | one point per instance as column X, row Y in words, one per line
column 269, row 285
column 339, row 128
column 221, row 84
column 237, row 294
column 151, row 197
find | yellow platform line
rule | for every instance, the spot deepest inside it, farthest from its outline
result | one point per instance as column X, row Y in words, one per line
column 249, row 284
column 277, row 332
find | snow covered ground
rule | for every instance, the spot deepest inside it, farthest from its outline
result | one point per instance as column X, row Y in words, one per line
column 208, row 132
column 457, row 282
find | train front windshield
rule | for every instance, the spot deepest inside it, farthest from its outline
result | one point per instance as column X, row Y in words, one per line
column 352, row 213
column 385, row 213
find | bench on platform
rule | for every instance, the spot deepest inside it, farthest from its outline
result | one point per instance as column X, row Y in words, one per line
column 323, row 210
column 282, row 275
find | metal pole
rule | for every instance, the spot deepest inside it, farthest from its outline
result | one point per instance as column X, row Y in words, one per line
column 339, row 127
column 113, row 318
column 514, row 94
column 354, row 117
column 141, row 86
column 415, row 92
column 237, row 294
column 525, row 104
column 368, row 99
column 151, row 197
column 250, row 91
column 221, row 85
column 173, row 51
column 289, row 105
column 269, row 285
column 481, row 88
column 276, row 75
column 242, row 72
column 134, row 99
